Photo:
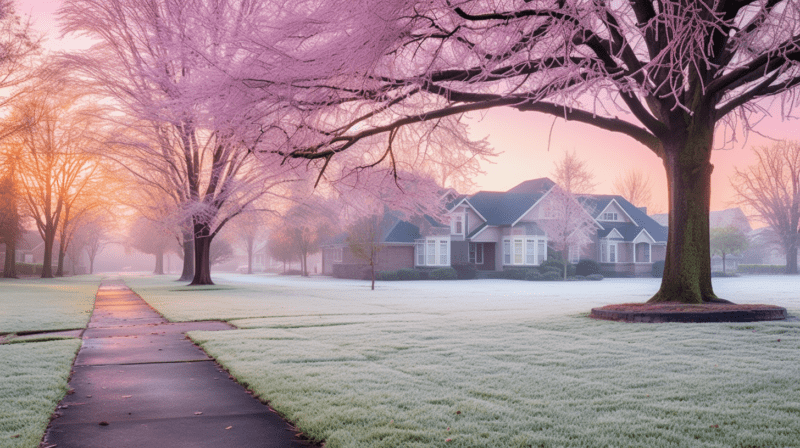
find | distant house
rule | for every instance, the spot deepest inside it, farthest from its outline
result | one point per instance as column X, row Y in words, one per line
column 501, row 230
column 30, row 249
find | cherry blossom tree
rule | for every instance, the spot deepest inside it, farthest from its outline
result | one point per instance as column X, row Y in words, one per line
column 667, row 74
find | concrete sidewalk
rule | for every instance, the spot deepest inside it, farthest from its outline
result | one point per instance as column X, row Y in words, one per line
column 139, row 382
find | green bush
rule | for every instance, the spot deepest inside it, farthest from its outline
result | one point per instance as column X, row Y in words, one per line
column 465, row 271
column 761, row 269
column 552, row 276
column 658, row 269
column 587, row 267
column 387, row 275
column 533, row 275
column 496, row 274
column 423, row 274
column 577, row 278
column 516, row 274
column 408, row 274
column 443, row 274
column 594, row 277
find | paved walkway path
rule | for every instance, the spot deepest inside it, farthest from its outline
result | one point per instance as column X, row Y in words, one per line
column 139, row 382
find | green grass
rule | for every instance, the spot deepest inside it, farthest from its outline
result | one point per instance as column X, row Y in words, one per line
column 497, row 368
column 33, row 379
column 46, row 304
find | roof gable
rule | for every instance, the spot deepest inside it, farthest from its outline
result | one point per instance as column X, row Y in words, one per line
column 533, row 186
column 638, row 219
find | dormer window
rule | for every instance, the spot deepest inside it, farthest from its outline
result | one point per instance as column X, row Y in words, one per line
column 609, row 216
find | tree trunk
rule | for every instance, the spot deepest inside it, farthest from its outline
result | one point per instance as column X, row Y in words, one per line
column 723, row 263
column 687, row 268
column 47, row 262
column 91, row 265
column 188, row 257
column 159, row 269
column 250, row 243
column 305, row 264
column 791, row 259
column 10, row 267
column 202, row 252
column 61, row 253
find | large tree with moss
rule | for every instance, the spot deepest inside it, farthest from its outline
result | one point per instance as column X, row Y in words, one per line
column 666, row 73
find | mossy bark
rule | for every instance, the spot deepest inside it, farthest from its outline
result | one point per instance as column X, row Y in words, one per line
column 687, row 267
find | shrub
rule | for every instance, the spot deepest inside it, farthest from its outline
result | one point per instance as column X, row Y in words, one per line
column 496, row 274
column 552, row 276
column 533, row 275
column 587, row 267
column 29, row 269
column 594, row 277
column 465, row 271
column 723, row 274
column 577, row 278
column 443, row 274
column 408, row 274
column 516, row 274
column 387, row 275
column 552, row 264
column 658, row 269
column 758, row 269
column 423, row 274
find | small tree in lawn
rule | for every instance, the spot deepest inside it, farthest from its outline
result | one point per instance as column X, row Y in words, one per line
column 364, row 241
column 566, row 223
column 279, row 244
column 728, row 241
column 771, row 188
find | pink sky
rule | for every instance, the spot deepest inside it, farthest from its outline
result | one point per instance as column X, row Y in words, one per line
column 522, row 139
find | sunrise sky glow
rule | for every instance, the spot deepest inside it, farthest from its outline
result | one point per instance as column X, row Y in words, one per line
column 522, row 138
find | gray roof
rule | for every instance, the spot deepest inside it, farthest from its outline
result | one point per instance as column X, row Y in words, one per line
column 533, row 186
column 503, row 208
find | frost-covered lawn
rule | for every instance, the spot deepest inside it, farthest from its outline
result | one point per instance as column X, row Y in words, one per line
column 33, row 379
column 34, row 375
column 46, row 304
column 501, row 363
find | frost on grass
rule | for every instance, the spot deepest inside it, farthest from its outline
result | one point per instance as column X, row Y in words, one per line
column 46, row 304
column 501, row 363
column 33, row 379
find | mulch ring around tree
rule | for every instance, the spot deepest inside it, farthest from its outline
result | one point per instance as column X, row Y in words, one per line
column 682, row 312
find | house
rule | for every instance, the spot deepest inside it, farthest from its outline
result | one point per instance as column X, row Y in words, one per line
column 505, row 230
column 30, row 249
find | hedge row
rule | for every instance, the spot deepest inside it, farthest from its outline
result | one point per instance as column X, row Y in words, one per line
column 418, row 274
column 538, row 274
column 761, row 269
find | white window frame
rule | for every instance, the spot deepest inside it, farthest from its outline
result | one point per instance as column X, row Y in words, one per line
column 524, row 251
column 610, row 216
column 336, row 257
column 432, row 252
column 541, row 251
column 574, row 254
column 613, row 250
column 419, row 258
